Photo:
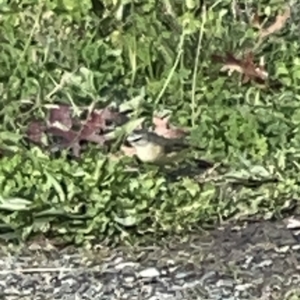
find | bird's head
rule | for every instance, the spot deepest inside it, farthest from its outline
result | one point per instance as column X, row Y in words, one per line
column 138, row 138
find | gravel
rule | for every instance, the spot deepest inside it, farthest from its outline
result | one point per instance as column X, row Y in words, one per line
column 256, row 261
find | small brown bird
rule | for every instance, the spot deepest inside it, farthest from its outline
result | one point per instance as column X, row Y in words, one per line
column 153, row 148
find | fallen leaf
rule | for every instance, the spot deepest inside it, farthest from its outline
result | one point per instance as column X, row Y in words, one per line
column 163, row 127
column 255, row 21
column 61, row 116
column 128, row 151
column 277, row 25
column 69, row 129
column 35, row 131
column 245, row 66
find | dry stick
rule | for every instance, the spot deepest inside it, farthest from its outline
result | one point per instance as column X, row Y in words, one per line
column 180, row 46
column 200, row 37
column 201, row 30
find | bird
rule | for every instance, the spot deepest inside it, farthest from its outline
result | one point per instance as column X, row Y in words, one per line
column 153, row 148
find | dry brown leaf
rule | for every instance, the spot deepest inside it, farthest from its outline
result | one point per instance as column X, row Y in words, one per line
column 245, row 66
column 163, row 127
column 67, row 130
column 277, row 25
column 128, row 151
column 255, row 21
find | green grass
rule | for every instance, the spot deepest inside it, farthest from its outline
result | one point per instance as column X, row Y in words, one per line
column 59, row 52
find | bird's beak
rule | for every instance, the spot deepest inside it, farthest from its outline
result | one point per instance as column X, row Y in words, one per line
column 134, row 137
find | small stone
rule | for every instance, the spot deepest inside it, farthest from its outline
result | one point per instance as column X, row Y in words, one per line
column 123, row 265
column 129, row 279
column 265, row 263
column 243, row 287
column 208, row 277
column 150, row 272
column 225, row 283
column 182, row 275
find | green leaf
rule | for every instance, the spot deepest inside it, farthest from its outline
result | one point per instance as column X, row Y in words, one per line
column 125, row 129
column 15, row 204
column 127, row 222
column 54, row 183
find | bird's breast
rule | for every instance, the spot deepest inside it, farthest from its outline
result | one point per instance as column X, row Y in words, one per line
column 150, row 153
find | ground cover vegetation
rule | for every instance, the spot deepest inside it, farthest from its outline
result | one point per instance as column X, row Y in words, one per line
column 77, row 76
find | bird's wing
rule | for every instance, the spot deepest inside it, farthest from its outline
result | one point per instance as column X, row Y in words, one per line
column 176, row 145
